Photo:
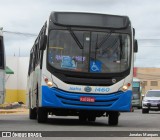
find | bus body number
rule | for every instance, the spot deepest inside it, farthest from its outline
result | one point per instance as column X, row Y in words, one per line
column 99, row 89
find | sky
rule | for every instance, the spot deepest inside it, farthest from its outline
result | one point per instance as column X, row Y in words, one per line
column 28, row 16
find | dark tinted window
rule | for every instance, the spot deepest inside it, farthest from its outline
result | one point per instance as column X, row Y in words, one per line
column 1, row 53
column 91, row 20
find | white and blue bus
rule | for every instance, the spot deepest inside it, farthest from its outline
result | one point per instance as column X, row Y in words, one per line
column 2, row 69
column 81, row 64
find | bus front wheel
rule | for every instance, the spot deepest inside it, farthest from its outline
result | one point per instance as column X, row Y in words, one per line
column 42, row 115
column 82, row 118
column 145, row 110
column 113, row 118
column 92, row 118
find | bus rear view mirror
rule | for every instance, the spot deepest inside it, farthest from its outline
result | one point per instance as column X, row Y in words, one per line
column 135, row 46
column 43, row 42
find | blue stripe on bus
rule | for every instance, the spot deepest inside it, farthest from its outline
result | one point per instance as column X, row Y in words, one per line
column 55, row 98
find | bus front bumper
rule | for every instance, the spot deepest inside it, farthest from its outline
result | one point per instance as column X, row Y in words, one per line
column 55, row 98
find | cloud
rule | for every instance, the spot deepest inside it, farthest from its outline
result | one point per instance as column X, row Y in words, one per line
column 28, row 16
column 16, row 45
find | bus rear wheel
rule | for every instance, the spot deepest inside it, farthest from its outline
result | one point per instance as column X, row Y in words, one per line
column 33, row 113
column 113, row 118
column 42, row 115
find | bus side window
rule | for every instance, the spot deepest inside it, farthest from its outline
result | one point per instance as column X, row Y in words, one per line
column 36, row 54
column 40, row 52
column 33, row 61
column 30, row 62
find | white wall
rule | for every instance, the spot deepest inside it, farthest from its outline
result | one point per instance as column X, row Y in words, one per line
column 23, row 63
column 11, row 80
column 19, row 65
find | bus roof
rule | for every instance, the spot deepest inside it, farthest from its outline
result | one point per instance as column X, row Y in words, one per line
column 79, row 19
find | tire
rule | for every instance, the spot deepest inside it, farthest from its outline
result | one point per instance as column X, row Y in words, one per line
column 82, row 118
column 42, row 115
column 92, row 118
column 33, row 113
column 113, row 118
column 145, row 111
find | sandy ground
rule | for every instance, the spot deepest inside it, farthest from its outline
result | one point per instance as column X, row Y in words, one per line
column 14, row 111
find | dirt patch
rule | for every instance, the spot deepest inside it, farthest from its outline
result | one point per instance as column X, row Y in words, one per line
column 14, row 111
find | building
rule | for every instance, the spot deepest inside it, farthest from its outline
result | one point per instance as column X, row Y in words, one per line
column 150, row 78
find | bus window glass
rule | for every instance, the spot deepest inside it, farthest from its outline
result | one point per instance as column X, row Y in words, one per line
column 64, row 53
column 111, row 51
column 96, row 54
column 1, row 54
column 136, row 93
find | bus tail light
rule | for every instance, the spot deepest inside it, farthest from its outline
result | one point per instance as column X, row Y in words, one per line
column 125, row 87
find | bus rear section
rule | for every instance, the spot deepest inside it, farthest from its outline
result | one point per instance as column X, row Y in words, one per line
column 2, row 69
column 85, row 67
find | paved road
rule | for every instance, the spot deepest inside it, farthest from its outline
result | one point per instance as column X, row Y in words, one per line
column 135, row 121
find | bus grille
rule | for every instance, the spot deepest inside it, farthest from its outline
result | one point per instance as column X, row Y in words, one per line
column 74, row 99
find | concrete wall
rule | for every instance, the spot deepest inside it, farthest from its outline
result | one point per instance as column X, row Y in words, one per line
column 16, row 83
column 150, row 78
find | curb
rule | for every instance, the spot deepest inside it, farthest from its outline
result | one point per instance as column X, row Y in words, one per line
column 9, row 111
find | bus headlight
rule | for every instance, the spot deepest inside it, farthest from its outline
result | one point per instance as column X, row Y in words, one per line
column 125, row 87
column 50, row 84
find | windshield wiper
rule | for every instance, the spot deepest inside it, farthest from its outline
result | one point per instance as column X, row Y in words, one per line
column 120, row 47
column 96, row 48
column 121, row 44
column 104, row 40
column 75, row 38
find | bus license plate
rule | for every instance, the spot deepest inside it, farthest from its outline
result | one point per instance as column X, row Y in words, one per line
column 87, row 99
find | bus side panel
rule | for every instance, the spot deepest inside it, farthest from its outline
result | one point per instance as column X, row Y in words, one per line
column 55, row 98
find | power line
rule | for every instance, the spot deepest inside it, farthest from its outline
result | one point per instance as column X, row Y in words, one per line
column 21, row 33
column 149, row 74
column 148, row 78
column 148, row 58
column 149, row 45
column 148, row 39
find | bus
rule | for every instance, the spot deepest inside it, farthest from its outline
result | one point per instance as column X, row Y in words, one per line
column 2, row 68
column 81, row 64
column 137, row 91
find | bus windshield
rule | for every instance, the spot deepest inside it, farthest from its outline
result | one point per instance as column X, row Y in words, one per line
column 86, row 51
column 136, row 92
